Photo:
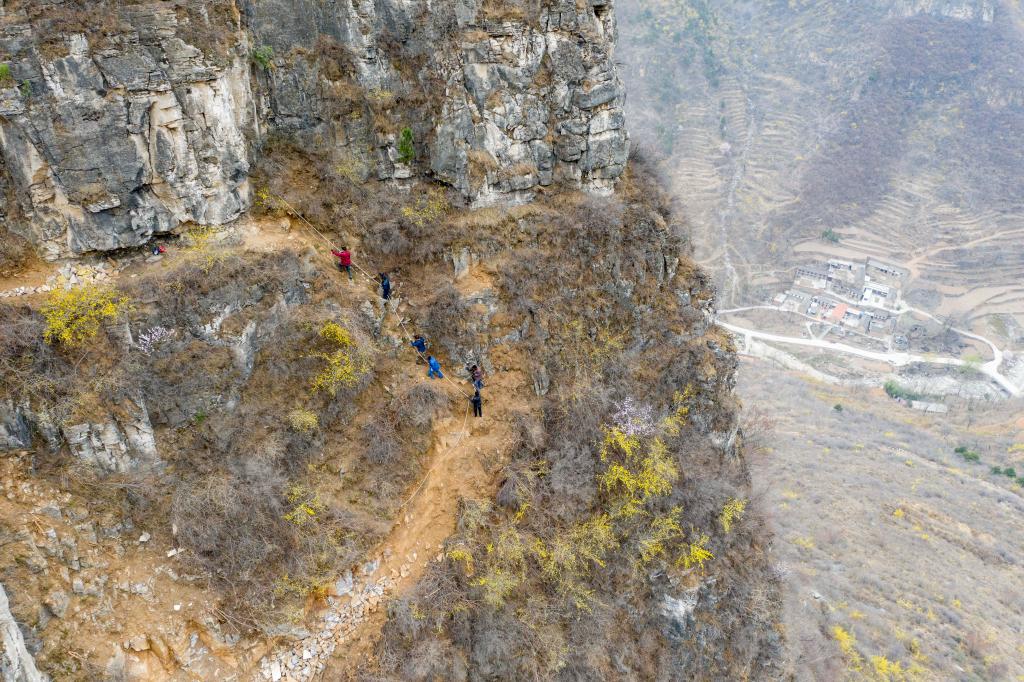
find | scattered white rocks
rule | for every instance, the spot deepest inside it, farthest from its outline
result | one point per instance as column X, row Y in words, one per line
column 350, row 605
column 70, row 274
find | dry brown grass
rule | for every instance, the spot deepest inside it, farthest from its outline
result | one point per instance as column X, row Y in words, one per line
column 861, row 501
column 16, row 254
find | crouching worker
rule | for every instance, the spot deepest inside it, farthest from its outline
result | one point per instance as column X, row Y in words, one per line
column 420, row 344
column 344, row 260
column 477, row 377
column 434, row 368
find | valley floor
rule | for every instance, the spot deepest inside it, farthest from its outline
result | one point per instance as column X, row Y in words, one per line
column 897, row 550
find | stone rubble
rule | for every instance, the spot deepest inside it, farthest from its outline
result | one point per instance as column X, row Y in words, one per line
column 68, row 275
column 349, row 607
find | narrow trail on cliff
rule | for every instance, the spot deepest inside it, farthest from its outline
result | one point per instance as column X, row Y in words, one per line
column 462, row 461
column 465, row 454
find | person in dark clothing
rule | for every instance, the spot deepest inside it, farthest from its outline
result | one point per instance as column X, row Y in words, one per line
column 478, row 404
column 420, row 344
column 385, row 286
column 344, row 260
column 477, row 376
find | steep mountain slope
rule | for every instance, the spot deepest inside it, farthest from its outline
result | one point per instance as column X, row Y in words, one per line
column 224, row 462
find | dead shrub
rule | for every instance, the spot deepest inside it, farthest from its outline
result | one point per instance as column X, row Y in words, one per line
column 31, row 368
column 336, row 61
column 382, row 442
column 387, row 239
column 446, row 317
column 15, row 253
column 516, row 489
column 417, row 406
column 233, row 521
column 758, row 432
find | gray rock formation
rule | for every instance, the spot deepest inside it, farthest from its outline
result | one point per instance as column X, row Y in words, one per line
column 108, row 139
column 113, row 131
column 15, row 432
column 513, row 101
column 19, row 424
column 123, row 442
column 16, row 663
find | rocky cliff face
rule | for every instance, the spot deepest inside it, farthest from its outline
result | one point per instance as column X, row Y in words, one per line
column 120, row 122
column 108, row 139
column 16, row 663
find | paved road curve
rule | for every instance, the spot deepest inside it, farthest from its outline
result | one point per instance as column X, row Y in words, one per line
column 990, row 369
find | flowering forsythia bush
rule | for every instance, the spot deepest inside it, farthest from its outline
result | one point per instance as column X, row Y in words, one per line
column 73, row 316
column 631, row 521
column 343, row 366
column 731, row 513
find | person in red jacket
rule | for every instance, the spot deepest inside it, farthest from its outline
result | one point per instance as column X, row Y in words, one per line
column 344, row 260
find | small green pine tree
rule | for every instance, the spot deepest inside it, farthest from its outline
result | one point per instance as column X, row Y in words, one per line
column 406, row 152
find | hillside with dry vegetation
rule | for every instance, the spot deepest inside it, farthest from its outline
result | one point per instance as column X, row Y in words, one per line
column 222, row 458
column 256, row 428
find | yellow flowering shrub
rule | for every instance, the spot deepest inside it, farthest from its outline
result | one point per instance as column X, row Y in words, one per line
column 673, row 423
column 343, row 366
column 569, row 557
column 661, row 531
column 696, row 553
column 640, row 472
column 74, row 316
column 848, row 645
column 305, row 505
column 200, row 244
column 427, row 208
column 465, row 557
column 886, row 670
column 505, row 567
column 303, row 421
column 731, row 513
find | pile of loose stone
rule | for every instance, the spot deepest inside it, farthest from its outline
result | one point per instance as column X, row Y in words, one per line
column 71, row 274
column 308, row 656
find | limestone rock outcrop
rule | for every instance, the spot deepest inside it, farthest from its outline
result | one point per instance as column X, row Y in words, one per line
column 512, row 98
column 115, row 129
column 122, row 442
column 16, row 663
column 108, row 139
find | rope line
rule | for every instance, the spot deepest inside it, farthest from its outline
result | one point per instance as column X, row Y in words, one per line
column 465, row 419
column 443, row 376
column 415, row 492
column 371, row 279
column 329, row 243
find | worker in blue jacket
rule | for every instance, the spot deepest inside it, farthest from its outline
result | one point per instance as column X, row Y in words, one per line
column 434, row 368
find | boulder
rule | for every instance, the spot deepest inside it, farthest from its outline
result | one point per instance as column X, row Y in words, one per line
column 16, row 663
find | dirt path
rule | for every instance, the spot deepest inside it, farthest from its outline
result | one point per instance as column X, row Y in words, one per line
column 464, row 455
column 463, row 458
column 914, row 264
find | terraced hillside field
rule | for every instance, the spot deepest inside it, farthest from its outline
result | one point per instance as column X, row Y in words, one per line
column 894, row 123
